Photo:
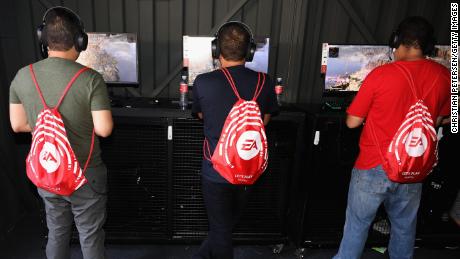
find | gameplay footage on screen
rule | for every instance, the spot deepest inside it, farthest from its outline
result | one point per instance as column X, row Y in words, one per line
column 348, row 65
column 113, row 55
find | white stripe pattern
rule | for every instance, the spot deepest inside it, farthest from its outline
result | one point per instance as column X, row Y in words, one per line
column 244, row 116
column 50, row 129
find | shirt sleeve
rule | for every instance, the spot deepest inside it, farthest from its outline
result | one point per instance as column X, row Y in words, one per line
column 14, row 98
column 363, row 100
column 272, row 105
column 99, row 96
column 196, row 107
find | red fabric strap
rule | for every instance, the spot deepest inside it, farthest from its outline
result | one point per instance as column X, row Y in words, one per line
column 67, row 88
column 34, row 79
column 230, row 81
column 259, row 86
column 409, row 78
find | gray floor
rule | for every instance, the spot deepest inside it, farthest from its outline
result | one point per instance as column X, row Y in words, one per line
column 26, row 242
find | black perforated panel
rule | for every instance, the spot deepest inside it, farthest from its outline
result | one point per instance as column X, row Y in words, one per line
column 189, row 218
column 136, row 159
column 265, row 215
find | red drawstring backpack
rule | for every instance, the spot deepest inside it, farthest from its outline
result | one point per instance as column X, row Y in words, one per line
column 241, row 155
column 51, row 163
column 413, row 151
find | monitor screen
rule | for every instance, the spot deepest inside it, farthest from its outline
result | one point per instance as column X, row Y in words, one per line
column 442, row 55
column 114, row 55
column 198, row 58
column 346, row 66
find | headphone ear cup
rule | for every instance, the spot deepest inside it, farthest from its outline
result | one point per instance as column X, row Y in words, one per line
column 42, row 40
column 394, row 40
column 44, row 50
column 251, row 50
column 215, row 50
column 40, row 32
column 81, row 41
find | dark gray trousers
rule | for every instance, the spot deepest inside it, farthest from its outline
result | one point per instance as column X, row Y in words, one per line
column 86, row 206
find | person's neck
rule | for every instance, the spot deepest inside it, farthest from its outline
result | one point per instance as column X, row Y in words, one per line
column 230, row 63
column 412, row 54
column 69, row 54
column 412, row 58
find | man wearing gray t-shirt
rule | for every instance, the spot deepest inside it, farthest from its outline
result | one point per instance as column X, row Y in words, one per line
column 86, row 106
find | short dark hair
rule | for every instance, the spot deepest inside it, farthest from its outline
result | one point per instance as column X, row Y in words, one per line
column 61, row 28
column 417, row 32
column 233, row 42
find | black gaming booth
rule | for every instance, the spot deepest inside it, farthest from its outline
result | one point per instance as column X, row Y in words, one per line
column 155, row 151
column 154, row 159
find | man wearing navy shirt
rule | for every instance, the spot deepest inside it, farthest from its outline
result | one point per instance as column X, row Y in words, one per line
column 213, row 99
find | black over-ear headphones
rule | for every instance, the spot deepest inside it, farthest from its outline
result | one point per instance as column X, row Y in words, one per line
column 80, row 38
column 394, row 41
column 427, row 47
column 215, row 47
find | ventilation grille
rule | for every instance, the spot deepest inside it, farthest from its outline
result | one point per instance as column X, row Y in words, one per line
column 189, row 218
column 136, row 159
column 264, row 217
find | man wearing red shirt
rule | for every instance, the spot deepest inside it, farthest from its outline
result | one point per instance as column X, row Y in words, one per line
column 383, row 101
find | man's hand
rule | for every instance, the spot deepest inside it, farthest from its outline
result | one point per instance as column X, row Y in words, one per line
column 18, row 118
column 354, row 121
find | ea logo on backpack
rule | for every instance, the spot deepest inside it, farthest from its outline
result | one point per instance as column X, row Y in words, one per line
column 416, row 143
column 249, row 144
column 49, row 158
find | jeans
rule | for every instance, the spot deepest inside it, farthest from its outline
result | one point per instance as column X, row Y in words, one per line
column 224, row 205
column 368, row 189
column 85, row 207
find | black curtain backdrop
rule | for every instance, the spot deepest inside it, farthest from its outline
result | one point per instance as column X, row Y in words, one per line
column 16, row 194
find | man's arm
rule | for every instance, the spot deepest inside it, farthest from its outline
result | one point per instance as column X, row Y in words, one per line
column 354, row 121
column 18, row 118
column 272, row 104
column 267, row 118
column 362, row 102
column 441, row 120
column 103, row 122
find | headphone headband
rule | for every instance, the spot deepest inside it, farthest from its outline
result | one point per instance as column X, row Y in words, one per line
column 251, row 49
column 80, row 38
column 242, row 24
column 80, row 22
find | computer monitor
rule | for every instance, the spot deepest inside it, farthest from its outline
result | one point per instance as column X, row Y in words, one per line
column 114, row 55
column 198, row 58
column 442, row 55
column 346, row 66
